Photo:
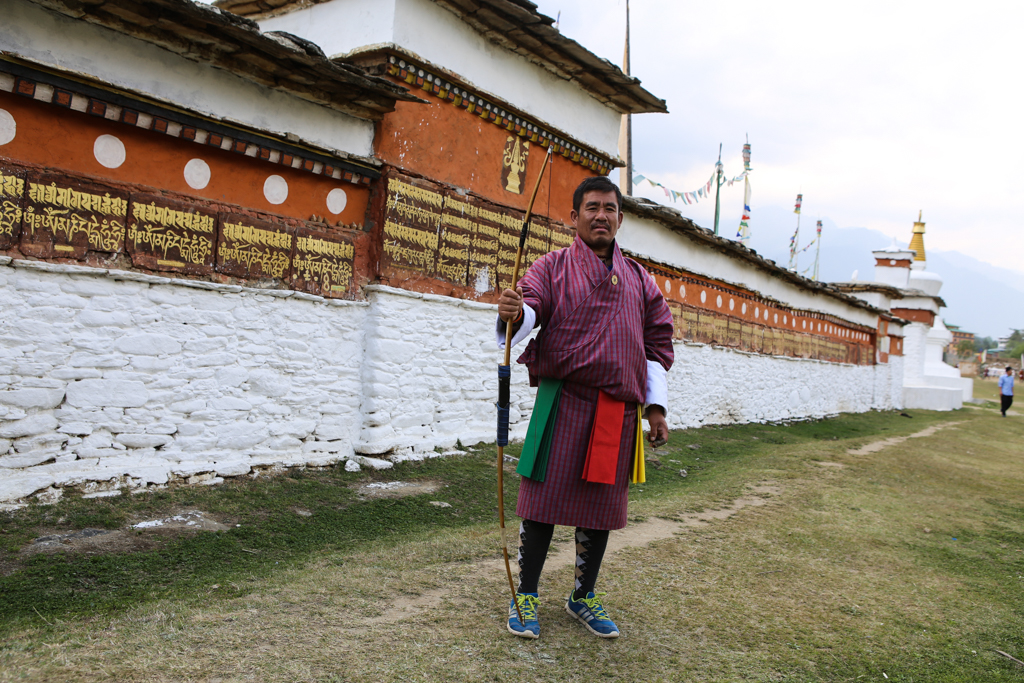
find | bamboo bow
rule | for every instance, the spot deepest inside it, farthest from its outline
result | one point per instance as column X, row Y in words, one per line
column 504, row 378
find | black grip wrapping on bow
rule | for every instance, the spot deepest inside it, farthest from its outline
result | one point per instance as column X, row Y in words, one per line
column 504, row 379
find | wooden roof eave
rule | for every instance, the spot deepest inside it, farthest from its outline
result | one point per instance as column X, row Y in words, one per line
column 279, row 61
column 673, row 220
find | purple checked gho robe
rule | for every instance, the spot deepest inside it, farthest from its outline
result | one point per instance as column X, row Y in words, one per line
column 599, row 328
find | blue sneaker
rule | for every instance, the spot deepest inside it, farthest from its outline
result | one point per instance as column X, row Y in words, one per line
column 528, row 606
column 592, row 614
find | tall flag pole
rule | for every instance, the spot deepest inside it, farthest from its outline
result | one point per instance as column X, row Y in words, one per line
column 626, row 128
column 718, row 185
column 796, row 235
column 817, row 252
column 743, row 233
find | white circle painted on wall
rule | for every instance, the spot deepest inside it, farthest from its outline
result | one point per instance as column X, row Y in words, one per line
column 8, row 127
column 757, row 312
column 718, row 302
column 732, row 304
column 743, row 309
column 109, row 151
column 275, row 189
column 682, row 291
column 197, row 174
column 776, row 319
column 337, row 200
column 703, row 297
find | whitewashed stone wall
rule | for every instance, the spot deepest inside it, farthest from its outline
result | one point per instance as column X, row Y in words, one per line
column 714, row 385
column 430, row 373
column 111, row 379
column 115, row 378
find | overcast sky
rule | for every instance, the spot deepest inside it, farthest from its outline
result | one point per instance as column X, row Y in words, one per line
column 872, row 110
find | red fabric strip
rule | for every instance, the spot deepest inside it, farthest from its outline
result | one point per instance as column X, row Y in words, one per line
column 603, row 450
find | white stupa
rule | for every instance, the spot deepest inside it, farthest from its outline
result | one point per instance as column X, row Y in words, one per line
column 928, row 381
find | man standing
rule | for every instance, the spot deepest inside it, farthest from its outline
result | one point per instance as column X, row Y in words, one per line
column 604, row 348
column 1006, row 390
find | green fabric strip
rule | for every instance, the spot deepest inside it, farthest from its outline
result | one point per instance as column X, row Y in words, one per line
column 533, row 461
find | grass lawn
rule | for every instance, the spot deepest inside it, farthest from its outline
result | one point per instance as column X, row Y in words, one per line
column 987, row 389
column 834, row 550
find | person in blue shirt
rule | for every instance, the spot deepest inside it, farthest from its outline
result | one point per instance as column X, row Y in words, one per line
column 1006, row 389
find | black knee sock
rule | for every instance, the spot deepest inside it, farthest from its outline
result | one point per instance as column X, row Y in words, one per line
column 590, row 547
column 534, row 540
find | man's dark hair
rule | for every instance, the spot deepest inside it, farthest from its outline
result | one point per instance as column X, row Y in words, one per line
column 1009, row 368
column 596, row 184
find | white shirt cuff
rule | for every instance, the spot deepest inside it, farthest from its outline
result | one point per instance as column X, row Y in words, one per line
column 657, row 385
column 529, row 320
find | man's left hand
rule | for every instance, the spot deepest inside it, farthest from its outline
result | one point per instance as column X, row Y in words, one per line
column 658, row 434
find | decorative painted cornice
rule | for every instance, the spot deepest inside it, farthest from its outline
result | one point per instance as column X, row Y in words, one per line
column 113, row 104
column 223, row 40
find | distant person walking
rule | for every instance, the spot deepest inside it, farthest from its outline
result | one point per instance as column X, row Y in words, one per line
column 1006, row 389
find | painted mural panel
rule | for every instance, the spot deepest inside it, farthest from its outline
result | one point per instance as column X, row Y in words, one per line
column 252, row 249
column 509, row 224
column 65, row 218
column 483, row 251
column 12, row 196
column 412, row 221
column 322, row 264
column 562, row 235
column 169, row 235
column 538, row 241
column 455, row 240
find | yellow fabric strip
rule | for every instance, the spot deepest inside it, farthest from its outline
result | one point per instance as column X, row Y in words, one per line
column 639, row 472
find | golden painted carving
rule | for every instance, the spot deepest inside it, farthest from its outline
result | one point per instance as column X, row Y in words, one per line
column 11, row 186
column 413, row 213
column 10, row 215
column 423, row 259
column 103, row 236
column 513, row 160
column 172, row 218
column 325, row 273
column 74, row 199
column 397, row 187
column 410, row 235
column 311, row 245
column 194, row 249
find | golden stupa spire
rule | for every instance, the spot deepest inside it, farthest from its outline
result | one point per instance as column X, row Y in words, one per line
column 917, row 241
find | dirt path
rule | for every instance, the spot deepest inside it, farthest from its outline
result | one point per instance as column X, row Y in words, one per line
column 876, row 446
column 633, row 536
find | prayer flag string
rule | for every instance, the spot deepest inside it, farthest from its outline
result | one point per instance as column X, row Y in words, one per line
column 704, row 192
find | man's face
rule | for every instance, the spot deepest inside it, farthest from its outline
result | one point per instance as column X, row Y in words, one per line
column 598, row 219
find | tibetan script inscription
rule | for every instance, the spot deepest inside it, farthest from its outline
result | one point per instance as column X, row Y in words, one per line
column 251, row 248
column 65, row 218
column 508, row 224
column 562, row 236
column 322, row 265
column 12, row 192
column 483, row 252
column 458, row 228
column 167, row 235
column 538, row 242
column 412, row 219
